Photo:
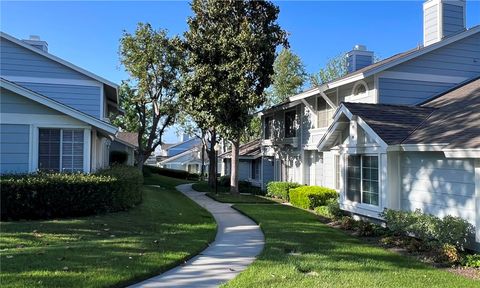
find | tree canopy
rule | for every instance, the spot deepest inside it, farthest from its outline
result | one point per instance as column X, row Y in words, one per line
column 336, row 67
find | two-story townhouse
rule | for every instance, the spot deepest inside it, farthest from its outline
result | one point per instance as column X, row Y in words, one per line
column 53, row 113
column 310, row 146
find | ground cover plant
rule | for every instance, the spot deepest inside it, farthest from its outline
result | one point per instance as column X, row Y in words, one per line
column 301, row 251
column 109, row 250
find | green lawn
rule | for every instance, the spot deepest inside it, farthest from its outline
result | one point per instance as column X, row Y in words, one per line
column 302, row 252
column 229, row 198
column 106, row 250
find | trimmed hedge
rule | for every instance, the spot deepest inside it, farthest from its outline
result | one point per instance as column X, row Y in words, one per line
column 310, row 197
column 118, row 157
column 179, row 174
column 280, row 190
column 56, row 195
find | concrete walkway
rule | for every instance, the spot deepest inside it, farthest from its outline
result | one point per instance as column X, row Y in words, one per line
column 237, row 243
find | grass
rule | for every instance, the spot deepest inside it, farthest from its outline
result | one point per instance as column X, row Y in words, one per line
column 224, row 195
column 203, row 187
column 300, row 251
column 106, row 250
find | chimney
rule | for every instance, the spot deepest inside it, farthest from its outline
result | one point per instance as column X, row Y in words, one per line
column 442, row 18
column 35, row 41
column 359, row 58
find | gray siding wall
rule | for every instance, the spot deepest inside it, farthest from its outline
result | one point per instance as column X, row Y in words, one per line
column 438, row 185
column 452, row 19
column 13, row 103
column 268, row 170
column 395, row 91
column 82, row 98
column 14, row 148
column 430, row 24
column 457, row 59
column 19, row 61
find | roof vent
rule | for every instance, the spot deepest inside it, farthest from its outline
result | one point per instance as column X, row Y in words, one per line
column 36, row 42
column 359, row 58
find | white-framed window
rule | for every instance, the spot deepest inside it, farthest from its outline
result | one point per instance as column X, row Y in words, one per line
column 291, row 124
column 60, row 150
column 360, row 88
column 362, row 179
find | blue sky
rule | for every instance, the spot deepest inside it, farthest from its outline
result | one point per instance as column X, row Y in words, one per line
column 87, row 33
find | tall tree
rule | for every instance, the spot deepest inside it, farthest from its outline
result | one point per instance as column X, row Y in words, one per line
column 154, row 63
column 336, row 67
column 231, row 46
column 288, row 77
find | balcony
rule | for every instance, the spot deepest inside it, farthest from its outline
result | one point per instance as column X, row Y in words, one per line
column 292, row 141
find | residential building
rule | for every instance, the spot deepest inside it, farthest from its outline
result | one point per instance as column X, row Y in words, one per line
column 423, row 95
column 54, row 114
column 186, row 156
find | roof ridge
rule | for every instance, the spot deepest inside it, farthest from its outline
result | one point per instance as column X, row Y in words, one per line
column 419, row 125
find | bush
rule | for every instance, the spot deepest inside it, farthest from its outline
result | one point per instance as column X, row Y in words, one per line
column 447, row 253
column 49, row 195
column 334, row 208
column 280, row 189
column 118, row 157
column 471, row 261
column 365, row 228
column 449, row 230
column 179, row 174
column 309, row 197
column 128, row 187
column 224, row 181
column 347, row 223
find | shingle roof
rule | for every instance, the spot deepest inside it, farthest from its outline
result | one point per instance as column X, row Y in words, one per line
column 451, row 118
column 248, row 150
column 392, row 123
column 128, row 137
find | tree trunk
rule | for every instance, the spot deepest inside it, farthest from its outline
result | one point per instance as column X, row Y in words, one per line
column 202, row 169
column 212, row 177
column 235, row 163
column 140, row 160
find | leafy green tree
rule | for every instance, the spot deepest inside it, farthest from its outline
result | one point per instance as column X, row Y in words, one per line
column 288, row 77
column 336, row 67
column 231, row 49
column 253, row 131
column 154, row 63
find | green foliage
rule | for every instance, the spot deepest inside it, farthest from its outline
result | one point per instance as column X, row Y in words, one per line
column 253, row 131
column 365, row 228
column 471, row 261
column 154, row 63
column 334, row 208
column 336, row 67
column 48, row 195
column 288, row 77
column 118, row 157
column 447, row 253
column 280, row 190
column 309, row 197
column 347, row 223
column 179, row 174
column 449, row 230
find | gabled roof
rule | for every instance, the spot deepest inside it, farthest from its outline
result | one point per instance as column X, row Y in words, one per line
column 386, row 64
column 61, row 61
column 450, row 119
column 190, row 152
column 392, row 123
column 250, row 150
column 65, row 109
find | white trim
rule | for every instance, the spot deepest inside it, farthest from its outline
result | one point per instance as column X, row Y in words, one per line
column 57, row 59
column 423, row 147
column 58, row 106
column 462, row 153
column 310, row 92
column 372, row 133
column 329, row 102
column 31, row 140
column 421, row 77
column 477, row 200
column 40, row 119
column 376, row 89
column 87, row 145
column 358, row 83
column 60, row 81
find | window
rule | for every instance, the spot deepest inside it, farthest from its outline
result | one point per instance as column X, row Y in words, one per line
column 268, row 127
column 362, row 179
column 290, row 124
column 359, row 89
column 60, row 150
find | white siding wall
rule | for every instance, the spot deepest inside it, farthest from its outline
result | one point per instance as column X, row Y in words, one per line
column 438, row 185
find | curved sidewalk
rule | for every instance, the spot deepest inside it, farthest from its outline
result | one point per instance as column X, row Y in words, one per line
column 237, row 243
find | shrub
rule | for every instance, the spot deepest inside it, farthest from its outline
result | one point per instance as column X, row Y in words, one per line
column 118, row 157
column 280, row 189
column 365, row 228
column 49, row 195
column 447, row 253
column 334, row 208
column 224, row 181
column 347, row 223
column 449, row 230
column 309, row 197
column 471, row 261
column 127, row 187
column 179, row 174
